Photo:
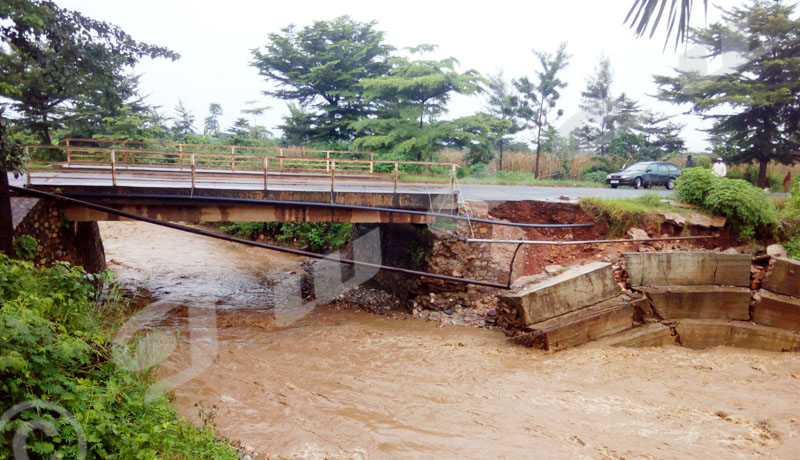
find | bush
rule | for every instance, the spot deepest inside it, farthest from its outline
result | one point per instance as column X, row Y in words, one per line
column 316, row 236
column 774, row 180
column 56, row 348
column 746, row 207
column 702, row 161
column 693, row 185
column 596, row 176
column 793, row 247
column 479, row 170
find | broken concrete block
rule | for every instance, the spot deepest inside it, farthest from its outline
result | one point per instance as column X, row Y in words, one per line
column 700, row 302
column 776, row 250
column 580, row 326
column 648, row 335
column 707, row 333
column 687, row 269
column 573, row 289
column 777, row 310
column 784, row 277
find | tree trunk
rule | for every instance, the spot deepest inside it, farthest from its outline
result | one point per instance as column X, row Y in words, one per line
column 762, row 173
column 500, row 165
column 538, row 151
column 6, row 224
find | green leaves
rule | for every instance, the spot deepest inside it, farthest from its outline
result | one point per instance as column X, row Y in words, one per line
column 53, row 347
column 57, row 59
column 320, row 67
column 755, row 105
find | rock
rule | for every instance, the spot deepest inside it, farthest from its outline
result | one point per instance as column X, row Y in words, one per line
column 247, row 457
column 553, row 270
column 638, row 234
column 776, row 250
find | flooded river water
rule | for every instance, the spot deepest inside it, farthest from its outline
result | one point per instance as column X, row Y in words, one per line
column 341, row 384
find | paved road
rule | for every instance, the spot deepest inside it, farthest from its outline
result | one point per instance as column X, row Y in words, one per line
column 288, row 182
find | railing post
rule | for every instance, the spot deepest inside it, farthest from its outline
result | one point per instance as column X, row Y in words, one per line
column 327, row 163
column 113, row 168
column 280, row 166
column 233, row 158
column 69, row 154
column 452, row 178
column 193, row 169
column 266, row 172
column 333, row 168
column 395, row 176
column 180, row 157
column 371, row 163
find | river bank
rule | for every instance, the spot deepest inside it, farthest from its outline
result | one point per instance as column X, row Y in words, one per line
column 291, row 378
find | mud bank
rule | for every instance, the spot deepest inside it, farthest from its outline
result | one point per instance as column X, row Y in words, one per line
column 342, row 384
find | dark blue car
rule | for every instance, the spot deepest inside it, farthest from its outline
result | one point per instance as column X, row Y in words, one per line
column 646, row 174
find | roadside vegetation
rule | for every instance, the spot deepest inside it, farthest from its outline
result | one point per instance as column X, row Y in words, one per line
column 314, row 236
column 56, row 330
column 622, row 214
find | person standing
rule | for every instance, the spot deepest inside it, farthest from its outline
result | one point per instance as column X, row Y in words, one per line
column 787, row 182
column 719, row 169
column 689, row 162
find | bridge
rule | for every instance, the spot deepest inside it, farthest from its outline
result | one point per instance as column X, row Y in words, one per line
column 214, row 183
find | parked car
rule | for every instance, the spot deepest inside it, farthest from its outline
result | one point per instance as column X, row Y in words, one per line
column 646, row 174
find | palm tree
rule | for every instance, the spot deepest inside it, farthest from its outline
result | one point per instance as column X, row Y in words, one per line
column 642, row 13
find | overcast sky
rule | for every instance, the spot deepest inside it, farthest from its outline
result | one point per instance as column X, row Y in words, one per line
column 215, row 40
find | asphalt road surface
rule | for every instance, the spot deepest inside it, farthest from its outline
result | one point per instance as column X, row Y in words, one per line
column 343, row 184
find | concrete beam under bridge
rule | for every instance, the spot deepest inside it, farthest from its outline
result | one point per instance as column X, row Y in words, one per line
column 199, row 210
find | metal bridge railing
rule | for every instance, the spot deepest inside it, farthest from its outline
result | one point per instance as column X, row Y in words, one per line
column 194, row 161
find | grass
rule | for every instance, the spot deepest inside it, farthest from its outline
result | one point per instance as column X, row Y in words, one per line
column 622, row 214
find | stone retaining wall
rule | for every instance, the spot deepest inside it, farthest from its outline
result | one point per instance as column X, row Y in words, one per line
column 58, row 239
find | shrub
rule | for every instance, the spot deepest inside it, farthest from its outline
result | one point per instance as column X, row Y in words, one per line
column 793, row 247
column 55, row 348
column 745, row 206
column 702, row 161
column 316, row 236
column 25, row 247
column 479, row 170
column 693, row 185
column 596, row 176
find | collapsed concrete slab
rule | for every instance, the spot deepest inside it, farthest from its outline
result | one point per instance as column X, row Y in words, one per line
column 580, row 326
column 687, row 269
column 784, row 277
column 699, row 302
column 576, row 288
column 700, row 334
column 648, row 335
column 777, row 310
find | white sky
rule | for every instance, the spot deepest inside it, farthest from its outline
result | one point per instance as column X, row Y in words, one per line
column 215, row 39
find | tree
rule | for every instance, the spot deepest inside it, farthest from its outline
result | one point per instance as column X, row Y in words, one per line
column 320, row 67
column 606, row 115
column 409, row 101
column 211, row 123
column 756, row 106
column 183, row 123
column 11, row 160
column 539, row 99
column 504, row 104
column 53, row 58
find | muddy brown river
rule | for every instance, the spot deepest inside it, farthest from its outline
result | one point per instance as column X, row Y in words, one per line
column 320, row 383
